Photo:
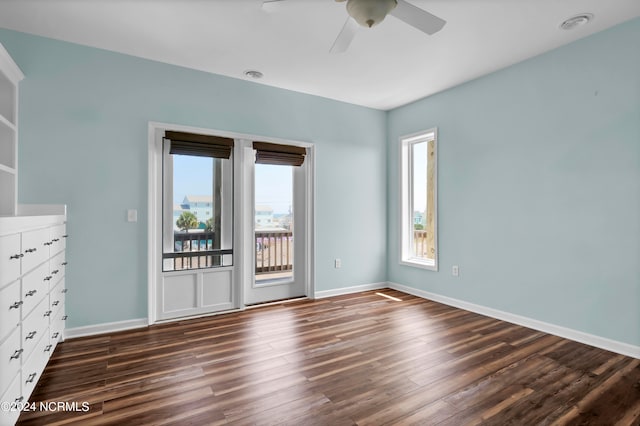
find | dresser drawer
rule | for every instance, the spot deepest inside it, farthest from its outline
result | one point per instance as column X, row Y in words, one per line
column 35, row 287
column 59, row 292
column 58, row 238
column 10, row 303
column 10, row 255
column 13, row 395
column 34, row 326
column 58, row 263
column 35, row 247
column 10, row 357
column 33, row 368
column 57, row 298
column 56, row 329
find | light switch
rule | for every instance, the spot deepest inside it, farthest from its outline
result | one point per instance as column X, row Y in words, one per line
column 132, row 215
column 455, row 270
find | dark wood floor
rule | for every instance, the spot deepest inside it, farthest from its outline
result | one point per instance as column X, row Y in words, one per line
column 357, row 359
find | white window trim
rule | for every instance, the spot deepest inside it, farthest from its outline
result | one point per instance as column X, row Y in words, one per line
column 406, row 202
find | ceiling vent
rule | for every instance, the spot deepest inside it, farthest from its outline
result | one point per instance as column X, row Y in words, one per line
column 576, row 21
column 253, row 74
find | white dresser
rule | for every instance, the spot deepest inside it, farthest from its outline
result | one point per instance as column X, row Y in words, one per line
column 32, row 300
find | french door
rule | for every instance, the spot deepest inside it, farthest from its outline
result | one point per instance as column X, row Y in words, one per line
column 279, row 234
column 197, row 266
column 230, row 221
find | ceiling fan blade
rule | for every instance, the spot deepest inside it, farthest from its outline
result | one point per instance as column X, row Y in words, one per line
column 418, row 18
column 345, row 37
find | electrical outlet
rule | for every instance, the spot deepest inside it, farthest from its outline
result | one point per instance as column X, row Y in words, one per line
column 338, row 263
column 455, row 270
column 132, row 215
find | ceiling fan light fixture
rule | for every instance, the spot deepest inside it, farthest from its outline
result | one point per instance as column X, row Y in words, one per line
column 370, row 12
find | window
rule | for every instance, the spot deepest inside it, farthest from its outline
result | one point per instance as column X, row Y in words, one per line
column 418, row 215
column 197, row 167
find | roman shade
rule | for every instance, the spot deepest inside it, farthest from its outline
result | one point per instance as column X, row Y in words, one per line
column 183, row 143
column 284, row 155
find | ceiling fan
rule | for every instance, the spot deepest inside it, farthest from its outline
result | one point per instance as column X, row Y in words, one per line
column 369, row 13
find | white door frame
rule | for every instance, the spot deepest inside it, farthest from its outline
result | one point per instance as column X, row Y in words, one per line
column 243, row 199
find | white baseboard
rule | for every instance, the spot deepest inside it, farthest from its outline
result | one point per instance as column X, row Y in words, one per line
column 92, row 330
column 348, row 290
column 107, row 327
column 567, row 333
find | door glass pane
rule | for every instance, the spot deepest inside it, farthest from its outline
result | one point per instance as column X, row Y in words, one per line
column 199, row 232
column 273, row 222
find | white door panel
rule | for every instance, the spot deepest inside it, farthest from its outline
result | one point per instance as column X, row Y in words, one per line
column 217, row 289
column 196, row 292
column 179, row 293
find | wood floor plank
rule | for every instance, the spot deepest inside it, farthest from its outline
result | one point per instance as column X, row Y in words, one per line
column 355, row 359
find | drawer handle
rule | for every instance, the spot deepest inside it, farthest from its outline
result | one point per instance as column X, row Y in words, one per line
column 64, row 290
column 48, row 348
column 31, row 293
column 65, row 236
column 31, row 250
column 16, row 354
column 31, row 378
column 48, row 277
column 55, row 335
column 31, row 335
column 17, row 256
column 54, row 272
column 64, row 263
column 48, row 243
column 46, row 314
column 64, row 318
column 55, row 303
column 16, row 305
column 19, row 400
column 56, row 240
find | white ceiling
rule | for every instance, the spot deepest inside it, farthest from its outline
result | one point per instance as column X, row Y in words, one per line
column 289, row 41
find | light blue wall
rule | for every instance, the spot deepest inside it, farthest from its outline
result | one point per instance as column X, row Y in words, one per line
column 539, row 175
column 83, row 142
column 539, row 187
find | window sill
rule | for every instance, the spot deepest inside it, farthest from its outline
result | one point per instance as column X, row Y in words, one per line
column 430, row 265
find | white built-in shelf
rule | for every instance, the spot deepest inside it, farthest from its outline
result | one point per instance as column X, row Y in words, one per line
column 6, row 169
column 6, row 123
column 10, row 76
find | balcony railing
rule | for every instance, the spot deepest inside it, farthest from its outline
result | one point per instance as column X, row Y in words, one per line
column 423, row 247
column 194, row 250
column 193, row 241
column 274, row 251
